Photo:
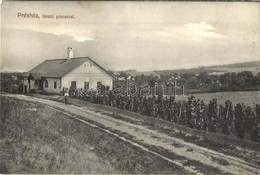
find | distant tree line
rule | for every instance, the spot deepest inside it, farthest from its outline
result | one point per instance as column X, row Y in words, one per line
column 241, row 81
column 12, row 82
column 204, row 82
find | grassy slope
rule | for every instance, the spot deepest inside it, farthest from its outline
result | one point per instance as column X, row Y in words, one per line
column 37, row 139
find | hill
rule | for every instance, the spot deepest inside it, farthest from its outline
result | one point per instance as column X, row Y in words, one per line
column 253, row 66
column 240, row 65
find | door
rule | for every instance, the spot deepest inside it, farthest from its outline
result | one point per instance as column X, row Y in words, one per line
column 40, row 85
column 86, row 85
column 73, row 84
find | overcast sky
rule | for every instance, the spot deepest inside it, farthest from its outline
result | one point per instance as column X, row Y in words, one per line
column 132, row 35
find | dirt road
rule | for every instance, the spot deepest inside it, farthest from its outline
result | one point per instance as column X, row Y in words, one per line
column 194, row 158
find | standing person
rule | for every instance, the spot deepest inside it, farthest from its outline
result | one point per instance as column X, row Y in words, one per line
column 66, row 95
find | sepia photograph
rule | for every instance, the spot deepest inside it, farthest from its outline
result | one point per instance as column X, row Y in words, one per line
column 130, row 87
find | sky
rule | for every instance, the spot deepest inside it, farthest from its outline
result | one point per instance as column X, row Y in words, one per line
column 144, row 36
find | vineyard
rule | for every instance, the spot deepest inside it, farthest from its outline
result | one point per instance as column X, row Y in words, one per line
column 235, row 120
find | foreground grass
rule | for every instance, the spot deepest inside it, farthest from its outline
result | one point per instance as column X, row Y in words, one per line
column 37, row 139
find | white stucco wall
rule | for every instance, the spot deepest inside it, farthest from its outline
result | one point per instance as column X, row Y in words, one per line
column 50, row 88
column 87, row 72
column 32, row 84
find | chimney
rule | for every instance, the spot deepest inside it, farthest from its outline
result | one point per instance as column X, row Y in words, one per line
column 70, row 53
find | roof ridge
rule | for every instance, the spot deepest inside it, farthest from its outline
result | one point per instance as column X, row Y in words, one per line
column 56, row 59
column 79, row 58
column 67, row 58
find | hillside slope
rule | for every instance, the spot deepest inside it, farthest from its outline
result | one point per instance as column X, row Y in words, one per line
column 253, row 66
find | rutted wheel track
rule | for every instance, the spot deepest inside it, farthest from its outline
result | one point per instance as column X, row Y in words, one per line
column 150, row 137
column 124, row 139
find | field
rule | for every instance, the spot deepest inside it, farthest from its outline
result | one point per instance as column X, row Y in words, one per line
column 250, row 98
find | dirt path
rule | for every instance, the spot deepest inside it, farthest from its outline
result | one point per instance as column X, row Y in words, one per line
column 193, row 158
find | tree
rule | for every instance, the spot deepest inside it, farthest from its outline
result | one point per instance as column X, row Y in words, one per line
column 257, row 118
column 201, row 115
column 226, row 118
column 240, row 120
column 251, row 124
column 191, row 112
column 212, row 115
column 245, row 79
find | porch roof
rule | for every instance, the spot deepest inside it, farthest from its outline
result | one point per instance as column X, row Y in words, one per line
column 36, row 76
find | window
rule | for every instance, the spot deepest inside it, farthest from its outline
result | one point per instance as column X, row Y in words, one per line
column 55, row 84
column 46, row 83
column 99, row 84
column 86, row 85
column 73, row 84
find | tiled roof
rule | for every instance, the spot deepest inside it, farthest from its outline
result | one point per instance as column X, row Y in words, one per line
column 57, row 68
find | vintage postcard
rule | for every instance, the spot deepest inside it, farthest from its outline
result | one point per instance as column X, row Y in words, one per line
column 144, row 87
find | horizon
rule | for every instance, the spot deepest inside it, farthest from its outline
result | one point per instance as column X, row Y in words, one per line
column 14, row 71
column 120, row 36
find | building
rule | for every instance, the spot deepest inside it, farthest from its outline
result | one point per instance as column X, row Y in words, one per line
column 145, row 73
column 53, row 76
